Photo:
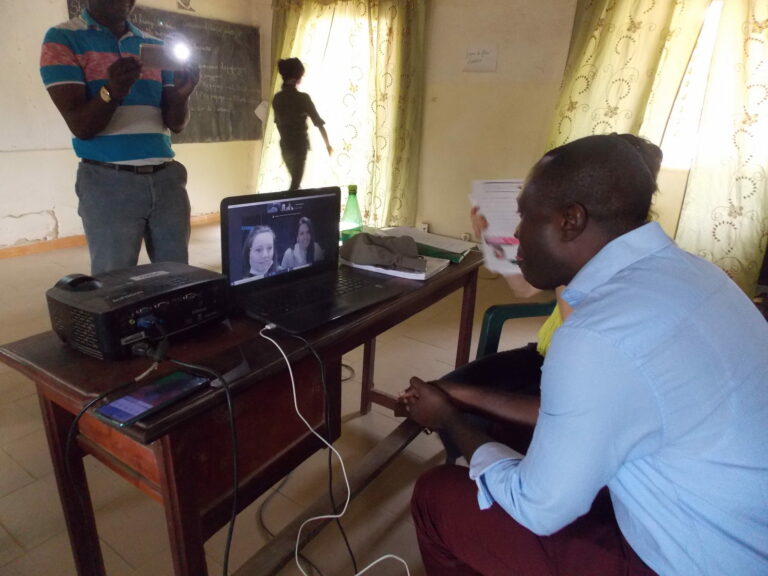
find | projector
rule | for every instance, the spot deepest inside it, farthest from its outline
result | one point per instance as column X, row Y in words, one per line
column 104, row 315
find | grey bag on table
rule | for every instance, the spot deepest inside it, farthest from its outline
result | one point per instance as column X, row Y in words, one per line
column 398, row 252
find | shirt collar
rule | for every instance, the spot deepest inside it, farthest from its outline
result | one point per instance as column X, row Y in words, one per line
column 614, row 257
column 88, row 19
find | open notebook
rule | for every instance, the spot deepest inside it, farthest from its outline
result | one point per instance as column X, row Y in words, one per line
column 280, row 254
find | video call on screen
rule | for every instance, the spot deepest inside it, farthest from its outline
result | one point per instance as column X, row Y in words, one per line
column 282, row 216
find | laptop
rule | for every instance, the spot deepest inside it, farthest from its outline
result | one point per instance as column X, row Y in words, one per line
column 280, row 254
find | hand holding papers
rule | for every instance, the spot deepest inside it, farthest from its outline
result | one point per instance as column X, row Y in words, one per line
column 496, row 201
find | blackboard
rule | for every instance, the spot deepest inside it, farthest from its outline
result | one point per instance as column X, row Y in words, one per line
column 222, row 107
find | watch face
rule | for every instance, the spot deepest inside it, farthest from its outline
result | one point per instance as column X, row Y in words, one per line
column 105, row 95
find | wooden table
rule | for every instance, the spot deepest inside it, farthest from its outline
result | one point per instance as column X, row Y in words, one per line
column 180, row 456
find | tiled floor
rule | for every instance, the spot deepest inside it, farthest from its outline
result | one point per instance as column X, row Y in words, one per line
column 33, row 539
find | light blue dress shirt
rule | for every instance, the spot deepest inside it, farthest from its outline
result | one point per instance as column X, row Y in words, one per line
column 656, row 386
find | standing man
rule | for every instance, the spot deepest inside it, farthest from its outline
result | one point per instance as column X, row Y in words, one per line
column 655, row 386
column 120, row 112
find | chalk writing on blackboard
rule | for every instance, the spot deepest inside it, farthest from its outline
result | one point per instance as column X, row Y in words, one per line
column 222, row 107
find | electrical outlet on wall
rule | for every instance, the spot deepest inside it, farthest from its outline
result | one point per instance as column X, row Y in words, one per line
column 466, row 237
column 424, row 226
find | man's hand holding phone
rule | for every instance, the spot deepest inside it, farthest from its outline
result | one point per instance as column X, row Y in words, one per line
column 186, row 80
column 121, row 75
column 186, row 74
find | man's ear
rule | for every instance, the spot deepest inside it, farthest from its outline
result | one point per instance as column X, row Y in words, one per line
column 574, row 221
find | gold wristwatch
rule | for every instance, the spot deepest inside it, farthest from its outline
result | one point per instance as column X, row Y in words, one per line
column 105, row 95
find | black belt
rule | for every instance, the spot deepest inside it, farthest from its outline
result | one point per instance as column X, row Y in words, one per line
column 147, row 169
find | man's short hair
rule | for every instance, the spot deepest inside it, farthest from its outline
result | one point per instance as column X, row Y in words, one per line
column 612, row 176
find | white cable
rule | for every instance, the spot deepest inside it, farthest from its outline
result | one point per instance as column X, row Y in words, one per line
column 341, row 462
column 146, row 372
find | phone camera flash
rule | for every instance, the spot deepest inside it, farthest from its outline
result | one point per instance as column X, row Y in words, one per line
column 181, row 52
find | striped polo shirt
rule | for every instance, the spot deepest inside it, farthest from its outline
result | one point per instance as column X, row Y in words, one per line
column 79, row 51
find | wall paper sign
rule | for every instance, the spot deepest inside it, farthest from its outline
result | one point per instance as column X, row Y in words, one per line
column 480, row 58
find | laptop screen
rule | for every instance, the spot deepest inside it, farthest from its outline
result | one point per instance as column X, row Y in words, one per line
column 269, row 238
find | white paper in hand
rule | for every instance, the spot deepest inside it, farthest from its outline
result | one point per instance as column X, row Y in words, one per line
column 496, row 200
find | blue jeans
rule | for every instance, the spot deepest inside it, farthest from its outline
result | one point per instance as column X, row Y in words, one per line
column 120, row 209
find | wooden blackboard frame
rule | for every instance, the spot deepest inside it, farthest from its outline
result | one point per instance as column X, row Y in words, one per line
column 223, row 105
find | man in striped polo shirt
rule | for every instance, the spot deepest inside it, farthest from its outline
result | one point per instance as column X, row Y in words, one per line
column 120, row 114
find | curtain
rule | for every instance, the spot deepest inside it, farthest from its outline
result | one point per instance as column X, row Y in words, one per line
column 365, row 68
column 626, row 71
column 725, row 210
column 626, row 57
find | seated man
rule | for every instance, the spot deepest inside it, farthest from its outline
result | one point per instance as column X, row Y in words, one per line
column 655, row 386
column 510, row 417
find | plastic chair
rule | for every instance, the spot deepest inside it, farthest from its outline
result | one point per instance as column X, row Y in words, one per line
column 490, row 334
column 495, row 316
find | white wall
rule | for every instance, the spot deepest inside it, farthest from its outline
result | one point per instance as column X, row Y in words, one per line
column 476, row 125
column 487, row 125
column 37, row 164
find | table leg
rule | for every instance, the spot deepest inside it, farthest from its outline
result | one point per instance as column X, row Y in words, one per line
column 73, row 490
column 182, row 518
column 467, row 318
column 366, row 393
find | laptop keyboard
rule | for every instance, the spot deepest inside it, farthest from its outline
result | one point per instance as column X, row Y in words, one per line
column 346, row 283
column 310, row 293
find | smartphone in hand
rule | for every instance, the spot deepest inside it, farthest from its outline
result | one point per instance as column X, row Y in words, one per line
column 160, row 56
column 150, row 398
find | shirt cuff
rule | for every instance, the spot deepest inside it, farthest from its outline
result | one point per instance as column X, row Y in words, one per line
column 484, row 459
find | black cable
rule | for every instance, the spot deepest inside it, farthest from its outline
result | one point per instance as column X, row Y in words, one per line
column 74, row 425
column 235, row 451
column 327, row 411
column 351, row 372
column 73, row 429
column 263, row 524
column 159, row 354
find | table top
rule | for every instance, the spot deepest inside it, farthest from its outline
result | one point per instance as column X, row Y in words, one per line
column 234, row 346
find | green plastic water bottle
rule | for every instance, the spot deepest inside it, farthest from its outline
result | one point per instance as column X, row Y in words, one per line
column 351, row 221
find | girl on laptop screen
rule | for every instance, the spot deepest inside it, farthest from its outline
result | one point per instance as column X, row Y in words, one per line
column 259, row 253
column 306, row 251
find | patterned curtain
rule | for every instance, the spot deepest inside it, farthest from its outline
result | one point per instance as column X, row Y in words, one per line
column 365, row 67
column 627, row 69
column 619, row 51
column 725, row 210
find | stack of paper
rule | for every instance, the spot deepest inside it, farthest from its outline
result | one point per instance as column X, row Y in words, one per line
column 434, row 265
column 432, row 245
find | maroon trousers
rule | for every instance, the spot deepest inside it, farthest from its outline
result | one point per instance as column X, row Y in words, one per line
column 456, row 538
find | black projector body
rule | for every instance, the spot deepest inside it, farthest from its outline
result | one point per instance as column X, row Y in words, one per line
column 103, row 316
